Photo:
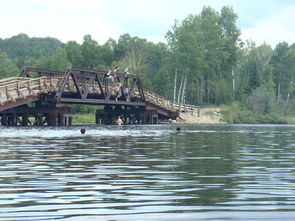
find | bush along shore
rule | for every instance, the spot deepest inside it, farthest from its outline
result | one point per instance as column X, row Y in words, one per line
column 230, row 114
column 235, row 114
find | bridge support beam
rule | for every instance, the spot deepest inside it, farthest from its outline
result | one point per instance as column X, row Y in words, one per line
column 110, row 114
column 40, row 116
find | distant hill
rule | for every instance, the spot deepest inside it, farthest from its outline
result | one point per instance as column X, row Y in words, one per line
column 22, row 48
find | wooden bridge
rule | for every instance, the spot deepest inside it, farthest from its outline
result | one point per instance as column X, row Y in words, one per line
column 38, row 94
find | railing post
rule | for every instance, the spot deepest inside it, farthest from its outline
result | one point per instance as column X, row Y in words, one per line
column 17, row 89
column 7, row 94
column 40, row 82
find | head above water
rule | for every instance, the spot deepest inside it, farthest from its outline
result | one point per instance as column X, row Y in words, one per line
column 82, row 130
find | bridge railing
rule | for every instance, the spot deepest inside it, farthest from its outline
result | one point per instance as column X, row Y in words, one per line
column 168, row 104
column 12, row 89
column 11, row 80
column 95, row 82
column 92, row 87
column 89, row 83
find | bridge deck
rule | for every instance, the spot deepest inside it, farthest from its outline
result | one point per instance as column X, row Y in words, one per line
column 17, row 91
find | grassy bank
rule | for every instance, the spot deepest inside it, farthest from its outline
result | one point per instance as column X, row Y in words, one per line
column 289, row 120
column 236, row 114
column 233, row 114
column 84, row 118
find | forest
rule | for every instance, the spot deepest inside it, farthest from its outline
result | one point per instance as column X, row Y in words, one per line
column 204, row 62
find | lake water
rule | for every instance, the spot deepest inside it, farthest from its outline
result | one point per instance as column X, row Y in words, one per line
column 232, row 172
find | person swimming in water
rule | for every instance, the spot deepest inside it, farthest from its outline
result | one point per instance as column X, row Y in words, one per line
column 119, row 121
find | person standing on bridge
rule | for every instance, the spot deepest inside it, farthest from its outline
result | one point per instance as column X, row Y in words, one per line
column 115, row 71
column 127, row 94
column 117, row 90
column 110, row 75
column 109, row 72
column 126, row 70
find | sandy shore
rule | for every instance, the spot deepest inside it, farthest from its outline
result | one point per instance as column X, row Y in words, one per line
column 205, row 116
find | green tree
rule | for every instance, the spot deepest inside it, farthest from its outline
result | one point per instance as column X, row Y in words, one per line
column 261, row 101
column 107, row 55
column 58, row 61
column 74, row 53
column 185, row 46
column 205, row 49
column 24, row 49
column 144, row 57
column 89, row 49
column 254, row 69
column 7, row 67
column 231, row 45
column 95, row 56
column 283, row 61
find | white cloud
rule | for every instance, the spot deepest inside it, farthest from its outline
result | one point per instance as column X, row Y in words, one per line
column 273, row 30
column 267, row 20
column 65, row 20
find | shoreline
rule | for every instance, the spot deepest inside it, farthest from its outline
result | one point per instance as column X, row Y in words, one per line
column 206, row 116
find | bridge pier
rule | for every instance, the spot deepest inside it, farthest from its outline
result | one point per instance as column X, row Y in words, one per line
column 132, row 115
column 37, row 116
column 151, row 117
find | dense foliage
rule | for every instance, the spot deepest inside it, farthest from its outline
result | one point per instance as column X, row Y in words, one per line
column 204, row 63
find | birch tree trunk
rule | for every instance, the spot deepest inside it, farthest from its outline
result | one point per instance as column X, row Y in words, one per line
column 288, row 96
column 183, row 89
column 216, row 100
column 234, row 82
column 279, row 92
column 174, row 95
column 180, row 90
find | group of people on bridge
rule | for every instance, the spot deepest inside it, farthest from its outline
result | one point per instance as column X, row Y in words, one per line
column 113, row 74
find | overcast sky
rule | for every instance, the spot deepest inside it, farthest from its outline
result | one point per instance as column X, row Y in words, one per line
column 270, row 21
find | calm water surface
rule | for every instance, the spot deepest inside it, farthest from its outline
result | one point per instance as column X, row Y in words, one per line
column 148, row 173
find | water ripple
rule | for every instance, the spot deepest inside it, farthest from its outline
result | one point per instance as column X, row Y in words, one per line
column 148, row 173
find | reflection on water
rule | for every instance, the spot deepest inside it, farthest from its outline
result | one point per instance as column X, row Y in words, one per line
column 148, row 173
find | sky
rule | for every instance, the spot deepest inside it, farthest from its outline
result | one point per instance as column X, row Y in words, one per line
column 269, row 21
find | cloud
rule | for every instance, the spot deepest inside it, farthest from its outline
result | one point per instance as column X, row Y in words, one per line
column 273, row 30
column 65, row 20
column 266, row 20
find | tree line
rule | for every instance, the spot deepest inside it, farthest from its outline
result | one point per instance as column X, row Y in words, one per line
column 204, row 62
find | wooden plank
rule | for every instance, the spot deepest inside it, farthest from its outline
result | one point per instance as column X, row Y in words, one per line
column 18, row 103
column 100, row 101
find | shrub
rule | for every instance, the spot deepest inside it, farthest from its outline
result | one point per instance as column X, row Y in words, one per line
column 261, row 101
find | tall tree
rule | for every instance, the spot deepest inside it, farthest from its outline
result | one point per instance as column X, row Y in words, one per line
column 283, row 62
column 58, row 61
column 205, row 48
column 90, row 55
column 7, row 66
column 74, row 53
column 231, row 44
column 24, row 49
